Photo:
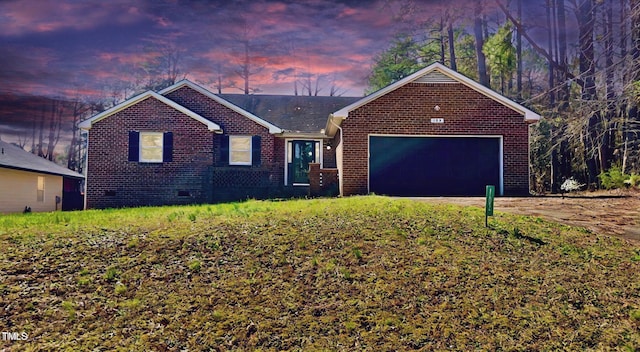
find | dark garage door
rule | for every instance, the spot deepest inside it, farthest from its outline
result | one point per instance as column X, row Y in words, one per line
column 433, row 166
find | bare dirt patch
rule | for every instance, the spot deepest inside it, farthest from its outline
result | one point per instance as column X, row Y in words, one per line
column 602, row 213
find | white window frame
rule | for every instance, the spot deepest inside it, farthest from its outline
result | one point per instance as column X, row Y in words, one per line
column 250, row 151
column 161, row 147
column 288, row 156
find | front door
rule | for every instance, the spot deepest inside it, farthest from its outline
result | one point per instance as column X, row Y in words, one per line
column 301, row 153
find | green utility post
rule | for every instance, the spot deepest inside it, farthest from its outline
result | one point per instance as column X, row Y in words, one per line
column 491, row 193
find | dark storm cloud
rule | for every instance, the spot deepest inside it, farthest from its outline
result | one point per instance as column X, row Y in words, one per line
column 287, row 72
column 18, row 18
column 25, row 67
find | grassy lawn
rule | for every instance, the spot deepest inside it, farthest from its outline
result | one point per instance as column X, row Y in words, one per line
column 361, row 273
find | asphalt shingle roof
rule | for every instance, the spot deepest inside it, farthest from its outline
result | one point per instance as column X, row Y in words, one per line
column 13, row 157
column 292, row 113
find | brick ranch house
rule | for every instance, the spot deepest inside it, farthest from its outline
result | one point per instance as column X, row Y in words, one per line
column 435, row 132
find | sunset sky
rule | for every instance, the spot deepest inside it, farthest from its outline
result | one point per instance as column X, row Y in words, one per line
column 68, row 47
column 90, row 48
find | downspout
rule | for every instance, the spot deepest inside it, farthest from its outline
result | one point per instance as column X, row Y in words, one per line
column 86, row 173
column 339, row 149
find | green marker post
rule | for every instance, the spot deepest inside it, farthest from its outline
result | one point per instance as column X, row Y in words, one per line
column 490, row 195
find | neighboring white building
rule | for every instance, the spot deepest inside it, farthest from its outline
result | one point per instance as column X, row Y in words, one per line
column 29, row 181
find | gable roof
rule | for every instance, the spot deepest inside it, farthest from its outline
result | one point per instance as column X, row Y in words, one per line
column 13, row 157
column 292, row 113
column 434, row 73
column 186, row 83
column 86, row 124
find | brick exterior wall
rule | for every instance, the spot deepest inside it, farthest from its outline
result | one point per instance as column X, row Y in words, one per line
column 329, row 155
column 408, row 111
column 231, row 183
column 322, row 182
column 197, row 173
column 113, row 181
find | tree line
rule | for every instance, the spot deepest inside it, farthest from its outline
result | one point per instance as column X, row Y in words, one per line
column 577, row 64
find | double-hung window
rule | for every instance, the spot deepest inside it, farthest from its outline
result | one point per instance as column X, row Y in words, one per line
column 40, row 189
column 240, row 150
column 151, row 147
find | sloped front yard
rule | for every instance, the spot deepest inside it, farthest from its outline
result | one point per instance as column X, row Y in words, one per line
column 362, row 273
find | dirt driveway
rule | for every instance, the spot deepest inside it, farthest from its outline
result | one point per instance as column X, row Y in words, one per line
column 601, row 213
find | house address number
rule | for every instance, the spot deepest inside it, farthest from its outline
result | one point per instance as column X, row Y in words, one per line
column 437, row 120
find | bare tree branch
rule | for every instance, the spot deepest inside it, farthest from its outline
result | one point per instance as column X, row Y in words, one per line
column 559, row 66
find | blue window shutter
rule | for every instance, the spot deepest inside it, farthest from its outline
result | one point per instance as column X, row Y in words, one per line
column 134, row 146
column 224, row 149
column 255, row 150
column 167, row 147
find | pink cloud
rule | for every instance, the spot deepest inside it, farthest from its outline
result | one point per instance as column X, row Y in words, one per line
column 322, row 38
column 270, row 8
column 101, row 75
column 84, row 92
column 163, row 21
column 329, row 70
column 132, row 59
column 214, row 56
column 347, row 12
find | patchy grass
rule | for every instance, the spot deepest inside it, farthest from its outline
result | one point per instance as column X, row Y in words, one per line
column 361, row 273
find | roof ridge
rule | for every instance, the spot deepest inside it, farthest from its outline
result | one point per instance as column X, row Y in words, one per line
column 198, row 88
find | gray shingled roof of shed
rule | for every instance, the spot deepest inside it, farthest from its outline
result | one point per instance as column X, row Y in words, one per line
column 292, row 113
column 13, row 157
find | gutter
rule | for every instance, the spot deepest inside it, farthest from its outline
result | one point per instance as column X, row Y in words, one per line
column 339, row 165
column 303, row 135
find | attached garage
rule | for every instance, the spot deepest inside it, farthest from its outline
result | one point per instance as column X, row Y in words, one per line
column 434, row 165
column 433, row 133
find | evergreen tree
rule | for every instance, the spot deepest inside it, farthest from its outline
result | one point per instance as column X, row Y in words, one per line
column 501, row 54
column 400, row 60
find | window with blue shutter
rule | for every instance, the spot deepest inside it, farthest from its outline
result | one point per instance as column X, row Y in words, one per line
column 255, row 150
column 150, row 147
column 167, row 147
column 224, row 150
column 241, row 150
column 134, row 145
